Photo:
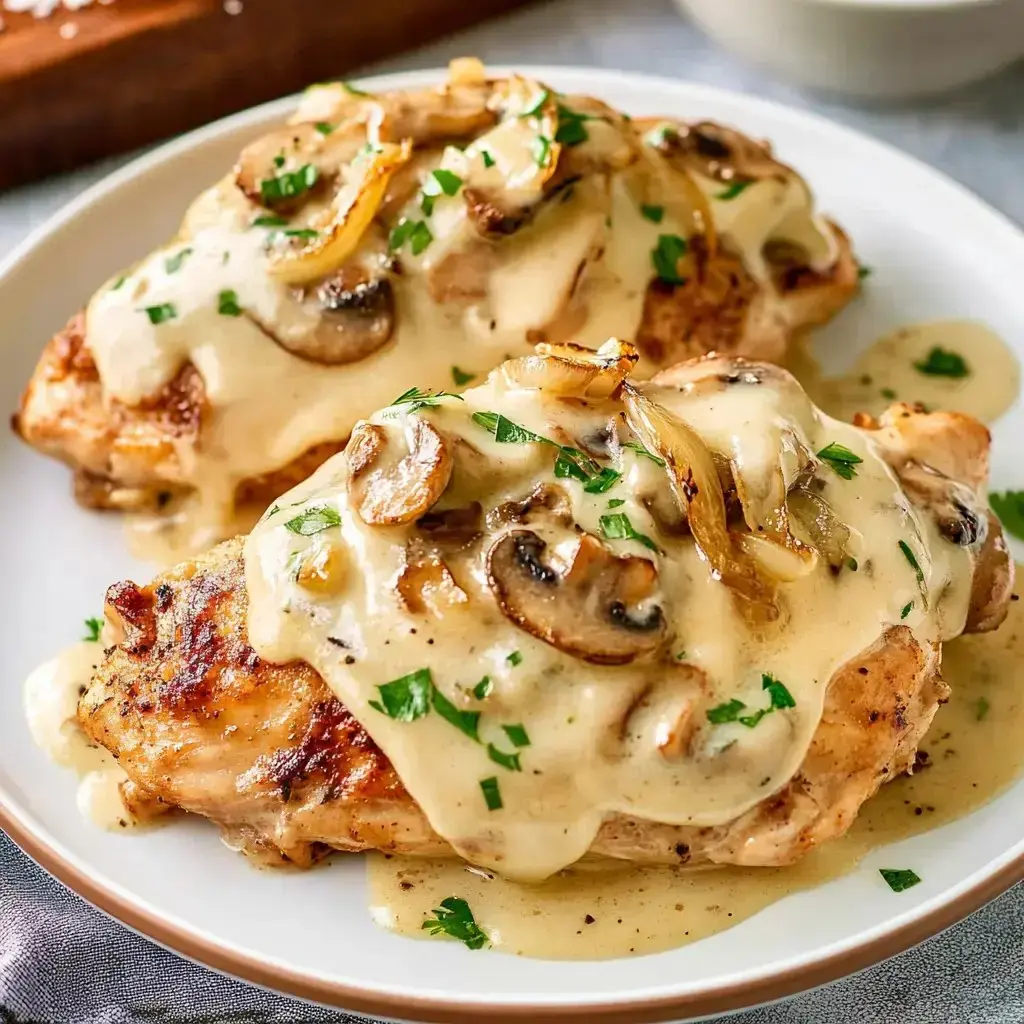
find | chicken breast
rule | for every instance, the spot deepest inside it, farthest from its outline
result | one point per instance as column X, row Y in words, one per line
column 418, row 232
column 200, row 722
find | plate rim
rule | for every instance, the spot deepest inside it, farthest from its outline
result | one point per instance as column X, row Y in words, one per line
column 731, row 996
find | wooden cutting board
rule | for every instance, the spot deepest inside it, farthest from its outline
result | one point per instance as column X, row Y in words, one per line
column 82, row 85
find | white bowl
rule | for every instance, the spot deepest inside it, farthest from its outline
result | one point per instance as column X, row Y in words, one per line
column 878, row 49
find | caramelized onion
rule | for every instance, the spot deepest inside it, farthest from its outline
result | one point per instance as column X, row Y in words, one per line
column 573, row 371
column 828, row 533
column 698, row 491
column 344, row 224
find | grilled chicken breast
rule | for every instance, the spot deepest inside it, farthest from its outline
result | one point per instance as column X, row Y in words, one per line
column 199, row 722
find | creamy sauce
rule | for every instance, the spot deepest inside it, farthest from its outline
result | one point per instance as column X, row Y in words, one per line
column 887, row 372
column 601, row 735
column 580, row 267
column 975, row 750
column 51, row 695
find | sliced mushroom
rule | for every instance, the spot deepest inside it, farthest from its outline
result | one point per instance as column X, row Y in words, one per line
column 953, row 505
column 358, row 319
column 425, row 583
column 547, row 501
column 389, row 484
column 597, row 608
column 453, row 527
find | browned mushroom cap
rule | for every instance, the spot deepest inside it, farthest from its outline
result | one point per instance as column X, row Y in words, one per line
column 288, row 150
column 431, row 116
column 425, row 583
column 716, row 151
column 589, row 609
column 390, row 485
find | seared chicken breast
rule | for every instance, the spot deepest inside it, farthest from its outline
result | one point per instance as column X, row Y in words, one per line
column 430, row 232
column 693, row 620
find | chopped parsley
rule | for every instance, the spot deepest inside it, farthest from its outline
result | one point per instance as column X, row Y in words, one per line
column 864, row 272
column 571, row 130
column 537, row 105
column 467, row 722
column 407, row 698
column 852, row 565
column 660, row 135
column 616, row 502
column 173, row 263
column 324, row 127
column 909, row 555
column 289, row 184
column 571, row 462
column 227, row 303
column 437, row 183
column 483, row 688
column 313, row 520
column 906, row 610
column 487, row 158
column 652, row 213
column 416, row 399
column 304, row 233
column 92, row 629
column 942, row 363
column 730, row 711
column 461, row 377
column 509, row 761
column 279, row 159
column 270, row 220
column 666, row 256
column 541, row 150
column 681, row 656
column 603, row 481
column 412, row 696
column 415, row 232
column 492, row 794
column 841, row 459
column 454, row 918
column 899, row 879
column 505, row 431
column 617, row 526
column 1009, row 507
column 514, row 659
column 888, row 393
column 735, row 189
column 120, row 281
column 158, row 314
column 517, row 735
column 981, row 708
column 636, row 446
column 352, row 90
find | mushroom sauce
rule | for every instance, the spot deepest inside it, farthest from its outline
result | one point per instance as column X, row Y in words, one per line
column 300, row 305
column 500, row 589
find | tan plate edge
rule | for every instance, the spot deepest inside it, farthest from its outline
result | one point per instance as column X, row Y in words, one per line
column 726, row 998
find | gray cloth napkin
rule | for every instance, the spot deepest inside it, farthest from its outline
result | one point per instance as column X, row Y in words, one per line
column 62, row 962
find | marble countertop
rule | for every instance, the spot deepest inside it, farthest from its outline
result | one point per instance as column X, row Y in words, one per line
column 971, row 973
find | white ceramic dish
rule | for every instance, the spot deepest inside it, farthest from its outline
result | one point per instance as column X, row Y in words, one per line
column 936, row 251
column 877, row 49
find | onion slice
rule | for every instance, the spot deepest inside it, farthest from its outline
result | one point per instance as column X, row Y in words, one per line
column 572, row 371
column 344, row 224
column 698, row 490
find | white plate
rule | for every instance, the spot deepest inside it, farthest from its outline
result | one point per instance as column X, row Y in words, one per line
column 936, row 252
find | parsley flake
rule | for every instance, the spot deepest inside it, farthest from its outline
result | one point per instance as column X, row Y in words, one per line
column 652, row 213
column 92, row 629
column 537, row 105
column 899, row 879
column 509, row 761
column 454, row 918
column 467, row 722
column 120, row 281
column 517, row 735
column 173, row 263
column 324, row 127
column 461, row 377
column 492, row 794
column 864, row 272
column 617, row 526
column 906, row 610
column 437, row 183
column 942, row 363
column 735, row 189
column 636, row 446
column 487, row 158
column 227, row 303
column 313, row 520
column 416, row 399
column 514, row 659
column 780, row 698
column 616, row 502
column 909, row 555
column 981, row 708
column 1009, row 507
column 352, row 90
column 571, row 130
column 483, row 688
column 888, row 393
column 666, row 256
column 407, row 698
column 270, row 221
column 541, row 150
column 841, row 459
column 158, row 314
column 289, row 184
